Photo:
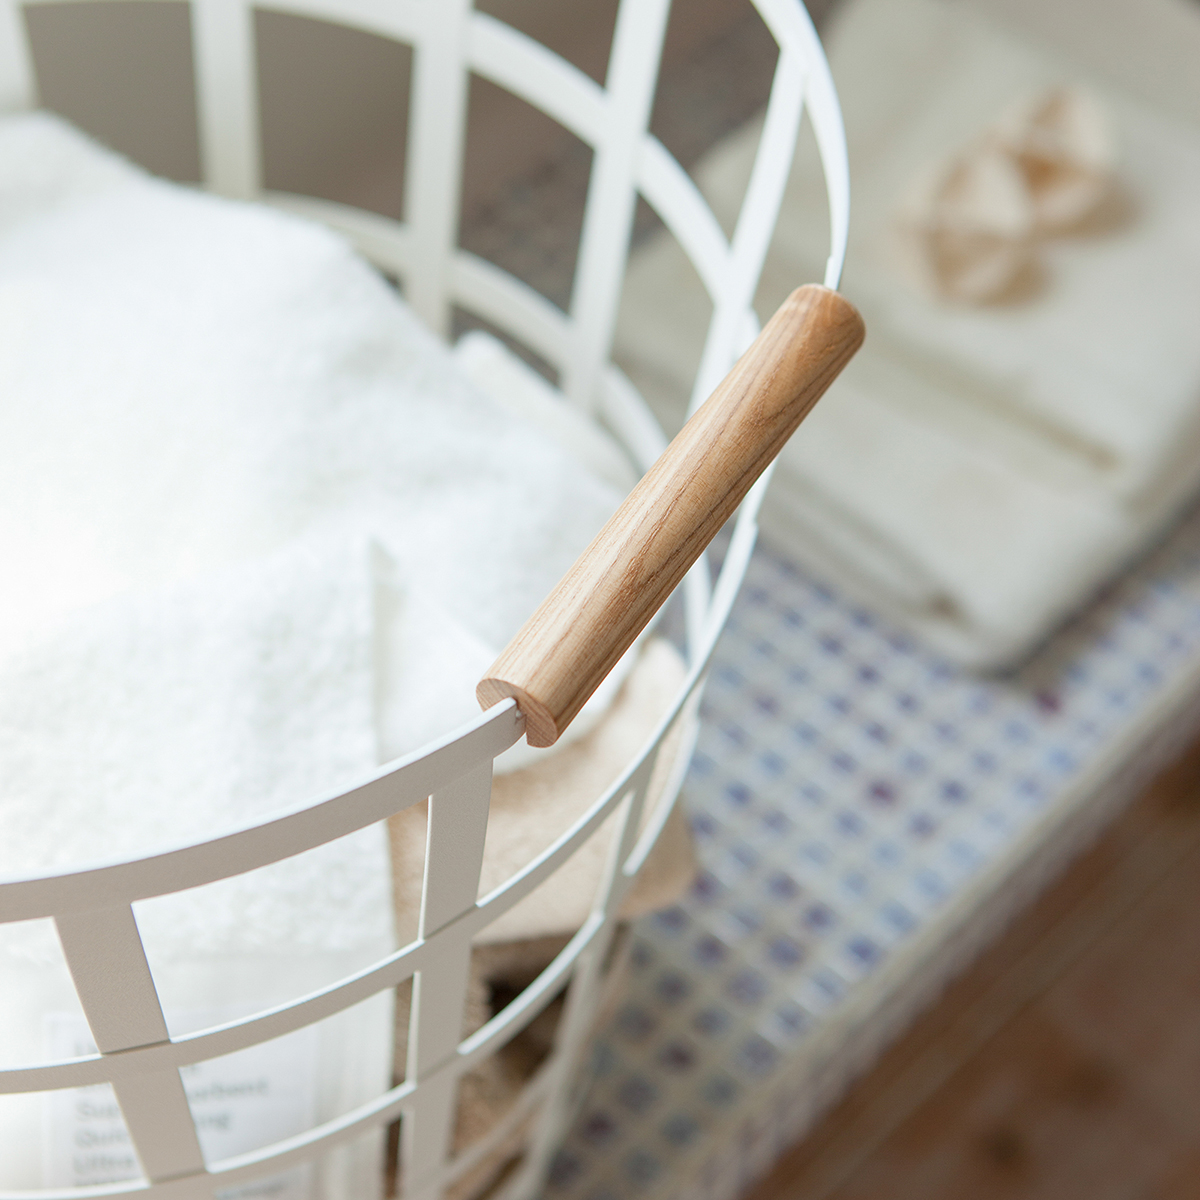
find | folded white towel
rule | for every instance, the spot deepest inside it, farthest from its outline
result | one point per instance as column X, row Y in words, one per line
column 427, row 664
column 248, row 377
column 1067, row 423
column 210, row 411
column 500, row 374
column 933, row 523
column 157, row 719
column 148, row 721
column 1103, row 356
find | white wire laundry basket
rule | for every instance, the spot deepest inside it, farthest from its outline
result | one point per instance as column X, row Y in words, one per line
column 92, row 908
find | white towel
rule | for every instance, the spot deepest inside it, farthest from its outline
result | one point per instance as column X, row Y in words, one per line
column 148, row 721
column 192, row 381
column 158, row 719
column 1066, row 424
column 258, row 533
column 500, row 374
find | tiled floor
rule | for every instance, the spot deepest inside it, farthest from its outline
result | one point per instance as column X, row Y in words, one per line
column 1065, row 1063
column 864, row 814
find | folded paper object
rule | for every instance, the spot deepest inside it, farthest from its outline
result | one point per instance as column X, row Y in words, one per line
column 980, row 468
column 969, row 228
column 259, row 536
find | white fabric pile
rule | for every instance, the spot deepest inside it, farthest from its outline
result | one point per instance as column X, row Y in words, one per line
column 149, row 719
column 980, row 469
column 259, row 534
column 301, row 396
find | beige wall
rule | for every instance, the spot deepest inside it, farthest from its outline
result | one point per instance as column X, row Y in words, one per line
column 333, row 99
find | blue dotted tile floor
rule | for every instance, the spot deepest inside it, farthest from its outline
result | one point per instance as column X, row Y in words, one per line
column 858, row 806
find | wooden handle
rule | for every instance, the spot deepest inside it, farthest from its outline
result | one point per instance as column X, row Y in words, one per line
column 605, row 600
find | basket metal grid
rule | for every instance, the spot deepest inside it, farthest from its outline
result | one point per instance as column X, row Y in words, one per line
column 91, row 908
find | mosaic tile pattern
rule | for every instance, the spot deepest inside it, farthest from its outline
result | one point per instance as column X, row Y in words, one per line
column 847, row 787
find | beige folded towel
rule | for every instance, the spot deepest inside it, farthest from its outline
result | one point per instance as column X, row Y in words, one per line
column 530, row 808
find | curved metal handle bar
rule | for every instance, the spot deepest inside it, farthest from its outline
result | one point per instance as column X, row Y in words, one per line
column 605, row 600
column 394, row 786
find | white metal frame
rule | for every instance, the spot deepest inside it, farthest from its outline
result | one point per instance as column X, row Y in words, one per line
column 92, row 908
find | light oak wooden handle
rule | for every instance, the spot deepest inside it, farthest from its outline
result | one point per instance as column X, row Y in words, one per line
column 605, row 600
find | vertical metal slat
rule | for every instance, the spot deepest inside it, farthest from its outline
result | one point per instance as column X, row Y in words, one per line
column 433, row 174
column 608, row 216
column 108, row 965
column 227, row 96
column 458, row 816
column 17, row 84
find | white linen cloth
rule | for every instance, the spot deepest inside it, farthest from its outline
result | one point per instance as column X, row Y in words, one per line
column 301, row 394
column 979, row 470
column 152, row 720
column 258, row 534
column 498, row 372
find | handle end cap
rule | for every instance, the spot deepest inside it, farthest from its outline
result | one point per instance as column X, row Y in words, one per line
column 540, row 728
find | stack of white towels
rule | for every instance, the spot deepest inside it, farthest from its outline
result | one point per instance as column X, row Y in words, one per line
column 995, row 452
column 260, row 534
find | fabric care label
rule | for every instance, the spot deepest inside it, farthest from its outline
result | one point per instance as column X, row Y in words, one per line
column 240, row 1102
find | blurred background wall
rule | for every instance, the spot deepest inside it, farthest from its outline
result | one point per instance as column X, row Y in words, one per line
column 333, row 100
